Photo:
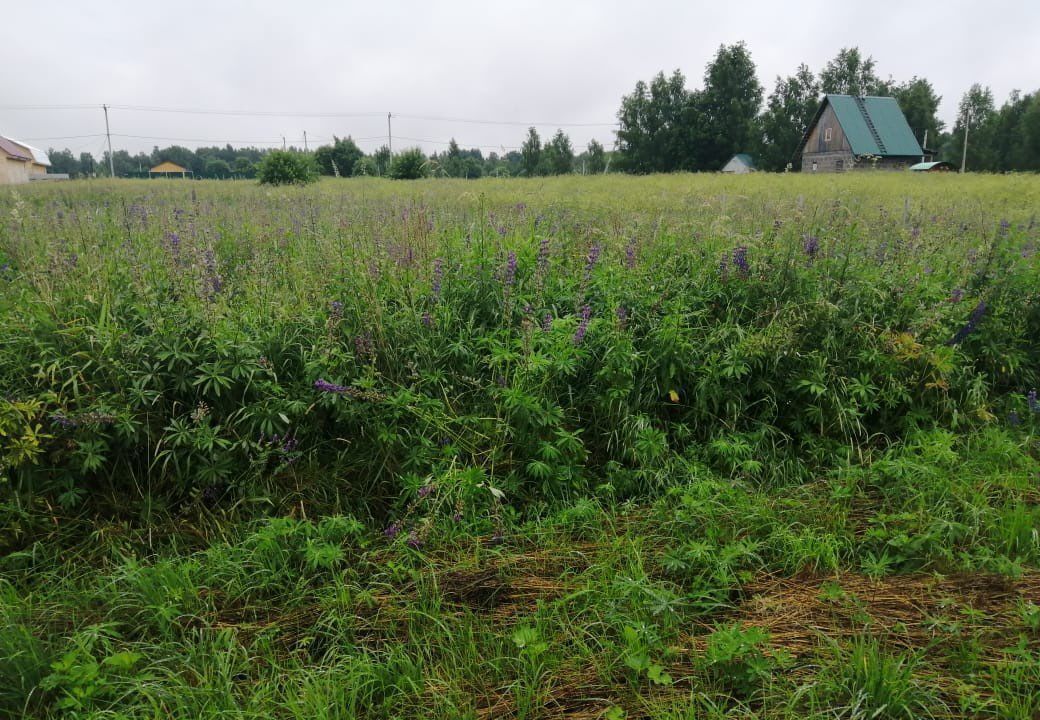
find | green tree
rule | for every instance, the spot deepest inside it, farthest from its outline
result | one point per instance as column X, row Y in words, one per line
column 63, row 161
column 920, row 104
column 244, row 167
column 1029, row 132
column 87, row 164
column 728, row 106
column 409, row 165
column 557, row 156
column 382, row 159
column 531, row 153
column 594, row 158
column 976, row 108
column 789, row 111
column 849, row 73
column 217, row 168
column 655, row 121
column 287, row 167
column 338, row 158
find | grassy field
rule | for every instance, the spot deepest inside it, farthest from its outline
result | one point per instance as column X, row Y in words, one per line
column 613, row 447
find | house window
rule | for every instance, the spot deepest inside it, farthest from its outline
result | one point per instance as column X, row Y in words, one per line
column 826, row 134
column 839, row 165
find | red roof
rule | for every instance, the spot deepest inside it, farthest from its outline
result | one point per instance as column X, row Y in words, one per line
column 13, row 151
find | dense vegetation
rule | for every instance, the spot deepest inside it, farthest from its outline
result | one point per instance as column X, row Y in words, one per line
column 664, row 126
column 647, row 447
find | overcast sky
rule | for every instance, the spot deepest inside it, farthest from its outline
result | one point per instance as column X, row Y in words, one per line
column 549, row 63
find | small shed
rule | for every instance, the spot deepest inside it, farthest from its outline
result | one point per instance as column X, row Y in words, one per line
column 740, row 163
column 169, row 169
column 938, row 166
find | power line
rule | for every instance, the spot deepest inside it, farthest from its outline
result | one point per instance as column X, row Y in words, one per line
column 319, row 114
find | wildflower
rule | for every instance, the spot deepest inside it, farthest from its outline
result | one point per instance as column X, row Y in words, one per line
column 622, row 315
column 1005, row 225
column 326, row 387
column 62, row 421
column 414, row 541
column 583, row 326
column 547, row 322
column 543, row 255
column 1034, row 405
column 425, row 490
column 214, row 283
column 740, row 259
column 457, row 517
column 630, row 254
column 969, row 327
column 1014, row 419
column 591, row 259
column 438, row 277
column 510, row 273
column 957, row 295
column 812, row 246
column 427, row 319
column 392, row 530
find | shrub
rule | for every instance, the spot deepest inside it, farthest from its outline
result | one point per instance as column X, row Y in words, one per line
column 284, row 167
column 409, row 165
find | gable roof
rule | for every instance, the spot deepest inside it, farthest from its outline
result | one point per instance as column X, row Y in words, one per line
column 744, row 158
column 14, row 150
column 872, row 125
column 38, row 156
column 167, row 166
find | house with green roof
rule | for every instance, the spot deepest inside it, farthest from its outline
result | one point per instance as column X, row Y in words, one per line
column 853, row 132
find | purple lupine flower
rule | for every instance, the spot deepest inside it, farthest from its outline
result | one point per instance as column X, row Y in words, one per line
column 583, row 326
column 392, row 530
column 1005, row 225
column 214, row 283
column 915, row 232
column 740, row 259
column 322, row 385
column 66, row 422
column 414, row 541
column 969, row 327
column 957, row 295
column 438, row 277
column 1031, row 401
column 427, row 319
column 336, row 309
column 425, row 490
column 547, row 322
column 363, row 346
column 622, row 315
column 543, row 255
column 812, row 246
column 173, row 243
column 591, row 259
column 510, row 273
column 457, row 517
column 724, row 264
column 630, row 254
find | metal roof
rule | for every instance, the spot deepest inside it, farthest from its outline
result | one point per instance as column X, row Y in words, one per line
column 744, row 158
column 872, row 125
column 929, row 165
column 39, row 156
column 14, row 150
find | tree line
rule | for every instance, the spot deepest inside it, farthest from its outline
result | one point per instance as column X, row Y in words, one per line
column 664, row 126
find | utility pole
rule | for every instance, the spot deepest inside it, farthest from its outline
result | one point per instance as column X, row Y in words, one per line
column 111, row 163
column 964, row 154
column 389, row 136
column 305, row 141
column 283, row 142
column 924, row 145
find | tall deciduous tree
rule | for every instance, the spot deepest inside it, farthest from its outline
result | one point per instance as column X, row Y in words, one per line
column 849, row 73
column 654, row 132
column 789, row 111
column 920, row 104
column 531, row 153
column 728, row 106
column 977, row 110
column 594, row 158
column 338, row 158
column 557, row 156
